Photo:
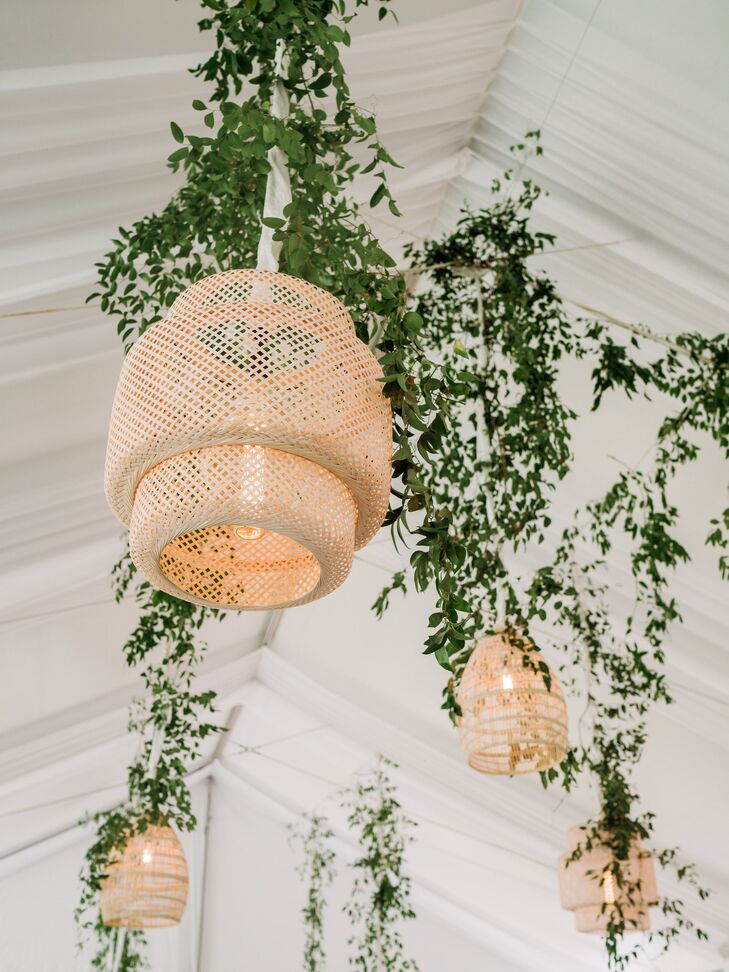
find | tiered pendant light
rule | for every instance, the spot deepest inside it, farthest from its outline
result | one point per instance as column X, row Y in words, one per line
column 146, row 885
column 511, row 722
column 249, row 448
column 588, row 886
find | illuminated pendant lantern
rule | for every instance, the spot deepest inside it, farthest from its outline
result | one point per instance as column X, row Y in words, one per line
column 589, row 887
column 145, row 886
column 249, row 448
column 511, row 722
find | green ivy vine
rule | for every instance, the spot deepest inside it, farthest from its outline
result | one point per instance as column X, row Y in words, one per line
column 479, row 350
column 379, row 900
column 500, row 332
column 171, row 720
column 212, row 223
column 317, row 870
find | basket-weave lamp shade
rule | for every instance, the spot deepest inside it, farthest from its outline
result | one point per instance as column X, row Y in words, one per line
column 146, row 884
column 511, row 722
column 249, row 447
column 588, row 887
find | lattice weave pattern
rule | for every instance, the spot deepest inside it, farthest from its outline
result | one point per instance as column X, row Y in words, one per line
column 146, row 885
column 249, row 358
column 511, row 722
column 243, row 527
column 589, row 887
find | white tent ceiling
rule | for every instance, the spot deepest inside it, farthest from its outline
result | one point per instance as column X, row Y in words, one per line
column 636, row 143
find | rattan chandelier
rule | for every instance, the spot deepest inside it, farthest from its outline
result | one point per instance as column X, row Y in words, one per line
column 145, row 885
column 511, row 722
column 249, row 449
column 250, row 439
column 589, row 887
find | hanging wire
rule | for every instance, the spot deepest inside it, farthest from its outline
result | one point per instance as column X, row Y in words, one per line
column 340, row 787
column 558, row 91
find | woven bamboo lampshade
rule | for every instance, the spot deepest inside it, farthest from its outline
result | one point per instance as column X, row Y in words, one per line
column 249, row 448
column 511, row 722
column 589, row 888
column 146, row 885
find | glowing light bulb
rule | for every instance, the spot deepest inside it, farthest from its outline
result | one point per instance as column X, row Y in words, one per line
column 248, row 533
column 507, row 681
column 147, row 854
column 609, row 887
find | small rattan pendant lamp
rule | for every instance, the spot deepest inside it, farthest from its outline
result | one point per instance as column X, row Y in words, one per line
column 250, row 439
column 588, row 885
column 145, row 885
column 511, row 722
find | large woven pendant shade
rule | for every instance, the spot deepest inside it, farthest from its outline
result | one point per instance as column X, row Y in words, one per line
column 249, row 448
column 146, row 884
column 511, row 722
column 589, row 887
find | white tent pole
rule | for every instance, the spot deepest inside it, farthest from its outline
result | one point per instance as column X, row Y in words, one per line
column 216, row 757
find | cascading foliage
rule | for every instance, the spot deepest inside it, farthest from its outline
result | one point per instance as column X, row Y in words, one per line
column 501, row 333
column 496, row 337
column 379, row 900
column 213, row 223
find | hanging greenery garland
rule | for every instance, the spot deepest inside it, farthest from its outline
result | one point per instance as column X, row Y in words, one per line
column 379, row 901
column 172, row 720
column 317, row 870
column 501, row 332
column 496, row 335
column 213, row 223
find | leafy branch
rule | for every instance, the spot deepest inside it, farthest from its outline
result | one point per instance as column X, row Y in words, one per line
column 499, row 333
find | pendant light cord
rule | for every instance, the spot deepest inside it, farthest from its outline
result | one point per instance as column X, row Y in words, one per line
column 278, row 183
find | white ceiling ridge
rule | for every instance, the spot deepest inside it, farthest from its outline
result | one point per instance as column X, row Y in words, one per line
column 468, row 24
column 43, row 285
column 372, row 732
column 426, row 894
column 563, row 178
column 597, row 60
column 497, row 824
column 23, row 375
column 63, row 741
column 53, row 841
column 651, row 255
column 91, row 143
column 24, row 79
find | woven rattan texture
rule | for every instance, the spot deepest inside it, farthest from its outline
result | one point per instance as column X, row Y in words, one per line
column 146, row 885
column 254, row 357
column 591, row 891
column 243, row 527
column 511, row 722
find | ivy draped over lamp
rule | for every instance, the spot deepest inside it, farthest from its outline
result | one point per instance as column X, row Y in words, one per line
column 146, row 884
column 601, row 889
column 250, row 439
column 249, row 449
column 513, row 714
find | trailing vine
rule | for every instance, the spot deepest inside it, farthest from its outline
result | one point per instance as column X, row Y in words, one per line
column 481, row 433
column 379, row 901
column 171, row 721
column 317, row 870
column 213, row 223
column 500, row 332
